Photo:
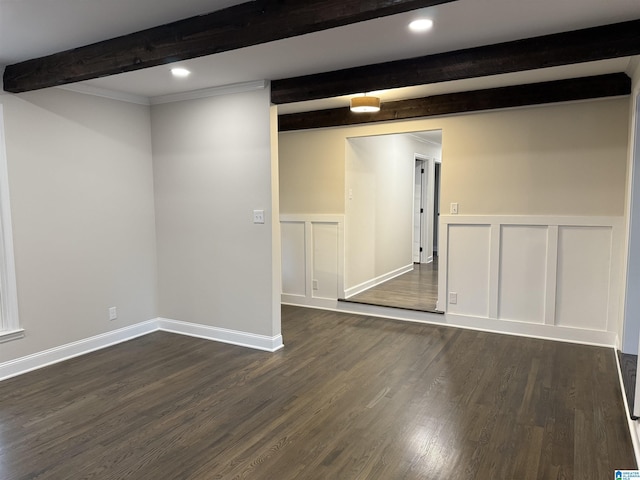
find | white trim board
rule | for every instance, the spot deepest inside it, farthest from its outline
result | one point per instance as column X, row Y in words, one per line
column 350, row 292
column 310, row 302
column 59, row 354
column 87, row 89
column 9, row 321
column 543, row 220
column 483, row 324
column 105, row 93
column 534, row 330
column 222, row 335
column 10, row 335
column 209, row 92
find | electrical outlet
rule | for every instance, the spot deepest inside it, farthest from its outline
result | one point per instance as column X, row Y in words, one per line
column 113, row 313
column 258, row 216
column 453, row 298
column 454, row 209
column 315, row 284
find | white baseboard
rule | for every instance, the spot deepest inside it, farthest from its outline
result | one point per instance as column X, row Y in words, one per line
column 534, row 330
column 234, row 337
column 350, row 292
column 38, row 360
column 42, row 359
column 506, row 327
column 302, row 301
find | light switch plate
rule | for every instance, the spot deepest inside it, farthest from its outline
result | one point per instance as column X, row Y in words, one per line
column 258, row 216
column 454, row 209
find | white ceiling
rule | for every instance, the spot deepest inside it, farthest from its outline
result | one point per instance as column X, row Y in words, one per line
column 32, row 28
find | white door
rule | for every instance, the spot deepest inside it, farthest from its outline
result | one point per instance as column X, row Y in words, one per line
column 418, row 211
column 436, row 207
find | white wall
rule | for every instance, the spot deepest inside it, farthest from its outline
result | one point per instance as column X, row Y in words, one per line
column 631, row 330
column 312, row 171
column 212, row 167
column 379, row 183
column 560, row 159
column 80, row 178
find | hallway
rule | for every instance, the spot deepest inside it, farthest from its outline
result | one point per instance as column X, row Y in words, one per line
column 415, row 290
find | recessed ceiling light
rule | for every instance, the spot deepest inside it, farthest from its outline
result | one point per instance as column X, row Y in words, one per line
column 180, row 72
column 421, row 25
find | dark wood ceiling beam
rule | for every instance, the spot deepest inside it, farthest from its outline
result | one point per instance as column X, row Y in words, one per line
column 239, row 26
column 600, row 86
column 597, row 43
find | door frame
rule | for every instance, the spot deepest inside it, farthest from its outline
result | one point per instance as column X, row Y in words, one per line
column 426, row 205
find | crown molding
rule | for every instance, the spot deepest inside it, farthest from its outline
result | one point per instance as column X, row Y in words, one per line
column 210, row 92
column 105, row 93
column 158, row 100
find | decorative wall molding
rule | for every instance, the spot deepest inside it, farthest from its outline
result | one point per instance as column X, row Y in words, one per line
column 10, row 335
column 54, row 355
column 536, row 276
column 308, row 255
column 161, row 99
column 350, row 292
column 210, row 92
column 223, row 335
column 542, row 220
column 569, row 267
column 106, row 93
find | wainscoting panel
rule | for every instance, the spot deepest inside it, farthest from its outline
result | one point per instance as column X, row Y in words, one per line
column 584, row 264
column 523, row 271
column 294, row 273
column 552, row 273
column 542, row 276
column 312, row 258
column 325, row 260
column 469, row 247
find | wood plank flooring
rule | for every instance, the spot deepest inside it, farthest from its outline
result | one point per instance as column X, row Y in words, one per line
column 350, row 397
column 415, row 290
column 628, row 368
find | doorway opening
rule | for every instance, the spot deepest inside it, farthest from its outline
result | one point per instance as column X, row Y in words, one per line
column 391, row 230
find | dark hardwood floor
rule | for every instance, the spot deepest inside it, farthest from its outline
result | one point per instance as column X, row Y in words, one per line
column 415, row 290
column 349, row 397
column 628, row 370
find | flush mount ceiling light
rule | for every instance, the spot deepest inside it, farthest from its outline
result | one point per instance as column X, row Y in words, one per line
column 180, row 72
column 421, row 25
column 365, row 104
